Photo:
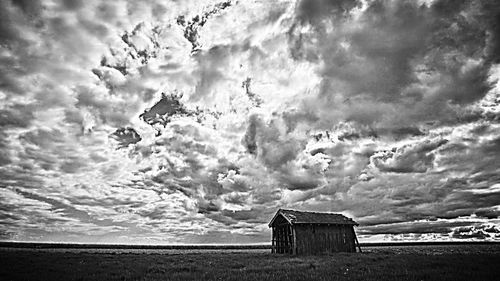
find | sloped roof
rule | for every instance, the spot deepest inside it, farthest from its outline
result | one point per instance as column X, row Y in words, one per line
column 299, row 217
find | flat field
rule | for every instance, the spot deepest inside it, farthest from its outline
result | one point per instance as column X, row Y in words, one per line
column 427, row 262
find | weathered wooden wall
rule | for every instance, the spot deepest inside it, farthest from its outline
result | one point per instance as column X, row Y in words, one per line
column 283, row 239
column 317, row 239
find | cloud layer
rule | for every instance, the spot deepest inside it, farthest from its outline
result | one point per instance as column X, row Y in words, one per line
column 193, row 122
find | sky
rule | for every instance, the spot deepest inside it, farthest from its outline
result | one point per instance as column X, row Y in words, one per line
column 193, row 122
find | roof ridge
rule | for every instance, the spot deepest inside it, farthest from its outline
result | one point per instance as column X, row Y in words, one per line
column 298, row 217
column 311, row 212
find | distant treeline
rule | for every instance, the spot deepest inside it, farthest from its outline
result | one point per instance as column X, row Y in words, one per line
column 31, row 245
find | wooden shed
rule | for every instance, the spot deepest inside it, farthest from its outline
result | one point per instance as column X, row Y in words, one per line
column 296, row 232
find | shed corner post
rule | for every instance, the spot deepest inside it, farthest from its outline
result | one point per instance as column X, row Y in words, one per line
column 294, row 235
column 273, row 241
column 356, row 239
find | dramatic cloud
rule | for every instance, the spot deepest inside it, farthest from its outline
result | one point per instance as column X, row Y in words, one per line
column 408, row 159
column 194, row 121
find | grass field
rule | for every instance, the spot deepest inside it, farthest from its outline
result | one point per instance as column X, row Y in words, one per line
column 435, row 262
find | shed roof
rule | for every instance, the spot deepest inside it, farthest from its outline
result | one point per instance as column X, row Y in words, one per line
column 299, row 217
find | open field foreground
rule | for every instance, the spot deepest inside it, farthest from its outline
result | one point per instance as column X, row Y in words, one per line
column 454, row 262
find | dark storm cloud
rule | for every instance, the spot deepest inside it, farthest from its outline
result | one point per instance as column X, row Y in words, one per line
column 14, row 18
column 306, row 181
column 489, row 12
column 14, row 14
column 168, row 106
column 48, row 150
column 409, row 158
column 126, row 136
column 489, row 213
column 249, row 140
column 44, row 139
column 31, row 8
column 266, row 141
column 285, row 157
column 403, row 132
column 15, row 116
column 207, row 207
column 463, row 203
column 439, row 54
column 73, row 4
column 478, row 159
column 5, row 153
column 314, row 10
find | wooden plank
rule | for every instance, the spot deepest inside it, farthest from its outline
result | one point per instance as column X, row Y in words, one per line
column 307, row 240
column 281, row 240
column 296, row 232
column 339, row 239
column 352, row 239
column 357, row 242
column 285, row 240
column 348, row 239
column 330, row 240
column 294, row 235
column 278, row 240
column 287, row 230
column 282, row 231
column 272, row 240
column 326, row 233
column 287, row 244
column 343, row 238
column 273, row 249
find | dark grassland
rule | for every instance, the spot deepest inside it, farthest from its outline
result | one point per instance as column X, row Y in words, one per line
column 433, row 262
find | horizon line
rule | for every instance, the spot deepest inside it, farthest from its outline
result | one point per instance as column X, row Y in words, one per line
column 256, row 246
